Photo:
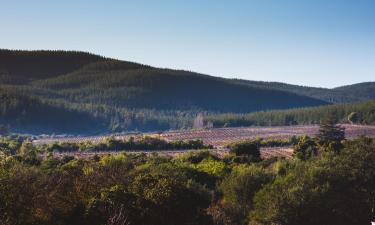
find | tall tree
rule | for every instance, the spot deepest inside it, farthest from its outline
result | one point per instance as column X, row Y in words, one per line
column 330, row 134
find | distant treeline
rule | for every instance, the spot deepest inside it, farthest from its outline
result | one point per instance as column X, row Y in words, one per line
column 30, row 114
column 361, row 113
column 34, row 115
column 344, row 94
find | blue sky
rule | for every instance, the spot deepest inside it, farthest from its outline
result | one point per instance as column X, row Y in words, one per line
column 308, row 42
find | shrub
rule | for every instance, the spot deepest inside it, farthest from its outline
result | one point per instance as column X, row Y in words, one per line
column 249, row 148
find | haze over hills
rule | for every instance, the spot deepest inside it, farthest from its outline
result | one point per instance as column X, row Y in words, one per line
column 117, row 95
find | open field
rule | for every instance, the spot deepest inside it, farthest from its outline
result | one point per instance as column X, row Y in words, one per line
column 218, row 137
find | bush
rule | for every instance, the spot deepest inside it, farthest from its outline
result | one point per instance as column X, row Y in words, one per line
column 249, row 148
column 354, row 118
column 239, row 189
column 305, row 148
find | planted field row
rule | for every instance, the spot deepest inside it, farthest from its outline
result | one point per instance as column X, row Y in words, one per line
column 221, row 136
column 218, row 137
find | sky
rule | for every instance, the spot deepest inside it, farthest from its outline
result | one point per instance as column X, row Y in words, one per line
column 322, row 43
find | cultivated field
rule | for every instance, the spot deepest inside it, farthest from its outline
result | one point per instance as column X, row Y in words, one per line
column 218, row 137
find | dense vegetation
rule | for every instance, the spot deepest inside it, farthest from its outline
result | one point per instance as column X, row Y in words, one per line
column 358, row 113
column 25, row 66
column 164, row 89
column 33, row 115
column 325, row 183
column 108, row 95
column 132, row 144
column 350, row 93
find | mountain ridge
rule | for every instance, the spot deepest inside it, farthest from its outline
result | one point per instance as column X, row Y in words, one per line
column 133, row 96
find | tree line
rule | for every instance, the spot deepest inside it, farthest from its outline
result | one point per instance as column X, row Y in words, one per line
column 356, row 113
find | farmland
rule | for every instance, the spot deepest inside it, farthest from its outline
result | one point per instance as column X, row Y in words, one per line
column 219, row 137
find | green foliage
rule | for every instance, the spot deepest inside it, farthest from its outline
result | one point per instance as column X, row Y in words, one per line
column 239, row 189
column 29, row 153
column 211, row 166
column 350, row 93
column 308, row 115
column 354, row 118
column 65, row 89
column 331, row 135
column 117, row 95
column 306, row 148
column 248, row 148
column 333, row 188
column 75, row 92
column 145, row 143
column 197, row 157
column 10, row 145
column 35, row 116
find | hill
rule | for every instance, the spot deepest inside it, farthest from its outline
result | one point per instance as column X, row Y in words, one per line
column 24, row 66
column 358, row 92
column 364, row 111
column 30, row 115
column 350, row 93
column 165, row 89
column 119, row 96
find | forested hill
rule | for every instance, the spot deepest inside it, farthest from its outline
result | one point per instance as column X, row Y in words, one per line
column 31, row 115
column 122, row 96
column 356, row 113
column 84, row 78
column 30, row 65
column 358, row 92
column 350, row 93
column 164, row 89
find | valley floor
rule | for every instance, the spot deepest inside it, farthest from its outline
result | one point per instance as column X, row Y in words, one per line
column 219, row 137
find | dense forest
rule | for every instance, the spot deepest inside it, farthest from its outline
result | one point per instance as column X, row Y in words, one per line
column 82, row 93
column 329, row 181
column 33, row 115
column 26, row 66
column 350, row 93
column 357, row 113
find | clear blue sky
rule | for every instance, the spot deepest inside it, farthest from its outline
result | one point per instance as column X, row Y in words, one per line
column 310, row 42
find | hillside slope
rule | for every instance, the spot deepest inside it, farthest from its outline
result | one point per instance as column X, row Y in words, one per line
column 17, row 65
column 30, row 115
column 365, row 114
column 358, row 92
column 350, row 93
column 104, row 94
column 165, row 89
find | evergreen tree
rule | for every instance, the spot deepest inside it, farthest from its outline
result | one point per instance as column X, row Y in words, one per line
column 330, row 134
